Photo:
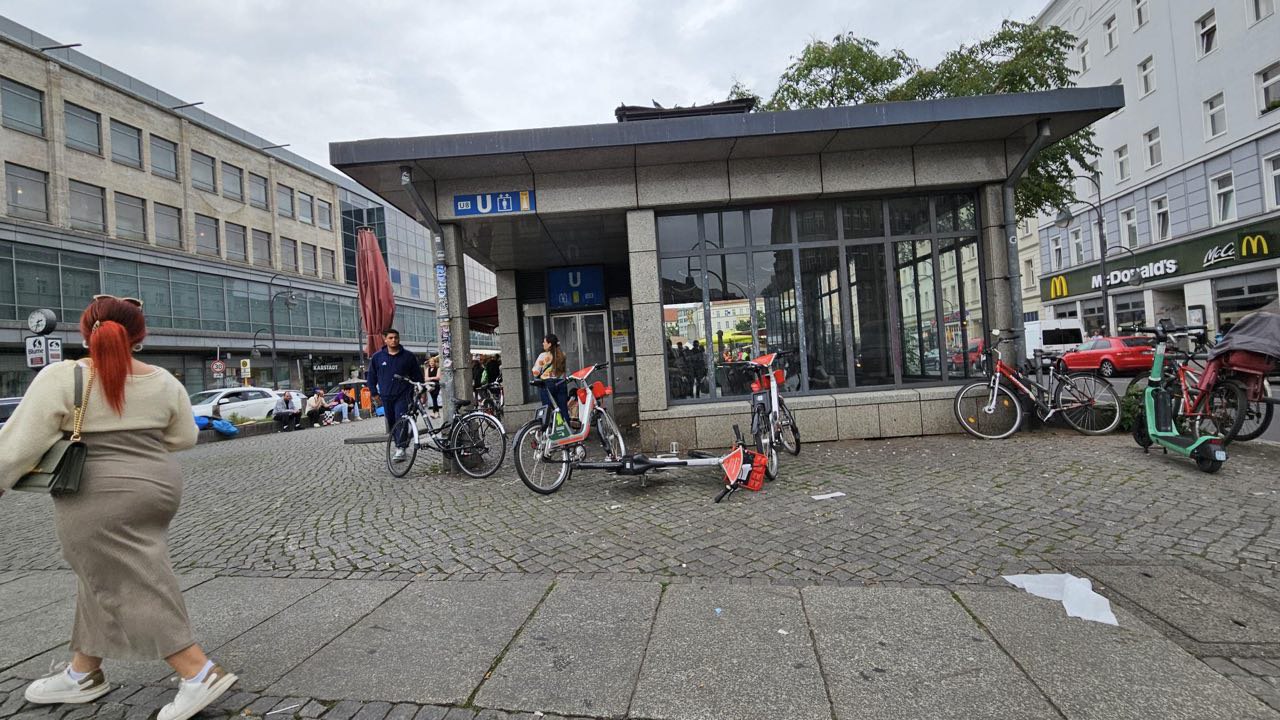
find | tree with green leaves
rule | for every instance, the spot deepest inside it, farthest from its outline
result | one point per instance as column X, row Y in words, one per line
column 1019, row 57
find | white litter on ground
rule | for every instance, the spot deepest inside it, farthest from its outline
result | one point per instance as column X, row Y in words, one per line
column 828, row 496
column 1076, row 595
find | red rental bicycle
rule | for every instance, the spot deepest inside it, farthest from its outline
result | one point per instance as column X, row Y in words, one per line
column 772, row 423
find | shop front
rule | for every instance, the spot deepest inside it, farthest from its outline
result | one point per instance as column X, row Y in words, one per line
column 865, row 246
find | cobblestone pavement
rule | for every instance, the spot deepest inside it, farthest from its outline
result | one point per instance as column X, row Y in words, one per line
column 938, row 511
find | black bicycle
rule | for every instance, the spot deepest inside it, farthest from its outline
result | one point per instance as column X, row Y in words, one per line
column 490, row 399
column 477, row 441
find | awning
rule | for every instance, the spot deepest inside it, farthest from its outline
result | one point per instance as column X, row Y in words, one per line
column 484, row 315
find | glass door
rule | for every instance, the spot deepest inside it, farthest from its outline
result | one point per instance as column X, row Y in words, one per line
column 595, row 338
column 565, row 327
column 584, row 337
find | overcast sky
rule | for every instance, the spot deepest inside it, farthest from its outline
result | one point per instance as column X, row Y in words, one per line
column 308, row 73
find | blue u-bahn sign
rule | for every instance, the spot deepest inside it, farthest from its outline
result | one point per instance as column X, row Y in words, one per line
column 495, row 203
column 570, row 288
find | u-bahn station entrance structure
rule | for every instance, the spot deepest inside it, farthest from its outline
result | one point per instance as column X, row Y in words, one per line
column 867, row 245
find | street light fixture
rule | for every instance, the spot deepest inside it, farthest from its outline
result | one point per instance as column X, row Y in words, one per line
column 1064, row 219
column 290, row 301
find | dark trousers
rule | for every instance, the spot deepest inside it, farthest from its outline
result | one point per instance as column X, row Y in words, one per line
column 556, row 391
column 392, row 409
column 315, row 416
column 434, row 388
column 287, row 419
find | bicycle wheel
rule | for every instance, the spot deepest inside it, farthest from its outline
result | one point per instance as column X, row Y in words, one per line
column 400, row 460
column 543, row 474
column 999, row 421
column 1223, row 412
column 788, row 432
column 610, row 436
column 1257, row 418
column 1088, row 403
column 764, row 443
column 479, row 444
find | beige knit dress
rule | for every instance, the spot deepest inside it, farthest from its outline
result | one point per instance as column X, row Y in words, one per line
column 115, row 531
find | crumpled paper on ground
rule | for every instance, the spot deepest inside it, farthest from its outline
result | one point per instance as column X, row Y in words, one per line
column 1076, row 595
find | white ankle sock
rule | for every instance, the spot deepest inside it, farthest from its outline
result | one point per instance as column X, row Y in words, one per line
column 76, row 676
column 204, row 673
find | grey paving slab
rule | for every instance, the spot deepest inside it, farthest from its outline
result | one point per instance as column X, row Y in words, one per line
column 704, row 665
column 431, row 643
column 581, row 653
column 33, row 634
column 34, row 591
column 1092, row 670
column 914, row 654
column 1202, row 609
column 7, row 576
column 265, row 653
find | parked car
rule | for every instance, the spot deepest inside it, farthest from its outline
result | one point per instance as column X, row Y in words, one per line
column 7, row 406
column 1111, row 355
column 972, row 356
column 251, row 403
column 1055, row 335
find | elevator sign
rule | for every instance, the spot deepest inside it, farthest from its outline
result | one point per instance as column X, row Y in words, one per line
column 498, row 203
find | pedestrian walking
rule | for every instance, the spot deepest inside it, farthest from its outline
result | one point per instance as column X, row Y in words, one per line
column 392, row 360
column 114, row 531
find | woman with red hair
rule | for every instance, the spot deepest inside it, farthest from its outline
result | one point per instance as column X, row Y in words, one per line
column 115, row 531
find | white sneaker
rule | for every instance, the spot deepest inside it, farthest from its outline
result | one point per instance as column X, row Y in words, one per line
column 346, row 419
column 398, row 454
column 315, row 425
column 60, row 688
column 196, row 696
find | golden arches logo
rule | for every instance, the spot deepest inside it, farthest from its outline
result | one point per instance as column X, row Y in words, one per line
column 1058, row 287
column 1254, row 245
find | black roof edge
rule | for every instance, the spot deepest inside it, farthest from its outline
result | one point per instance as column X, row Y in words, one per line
column 1100, row 100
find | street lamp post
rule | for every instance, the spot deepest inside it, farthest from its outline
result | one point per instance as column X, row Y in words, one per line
column 1065, row 216
column 290, row 301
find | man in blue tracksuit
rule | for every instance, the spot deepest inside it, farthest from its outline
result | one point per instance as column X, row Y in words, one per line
column 396, row 395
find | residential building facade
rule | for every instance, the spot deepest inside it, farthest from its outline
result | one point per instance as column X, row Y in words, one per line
column 1189, row 168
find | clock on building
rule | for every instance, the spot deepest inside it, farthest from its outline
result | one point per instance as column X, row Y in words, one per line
column 42, row 322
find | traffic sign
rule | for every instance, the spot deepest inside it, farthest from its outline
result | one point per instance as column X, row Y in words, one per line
column 219, row 376
column 246, row 368
column 218, row 367
column 36, row 357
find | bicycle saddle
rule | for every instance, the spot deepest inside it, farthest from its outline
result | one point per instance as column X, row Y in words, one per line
column 459, row 404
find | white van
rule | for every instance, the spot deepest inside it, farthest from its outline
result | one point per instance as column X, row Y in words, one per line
column 1054, row 335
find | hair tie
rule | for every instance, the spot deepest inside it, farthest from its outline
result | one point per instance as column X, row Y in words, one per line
column 96, row 324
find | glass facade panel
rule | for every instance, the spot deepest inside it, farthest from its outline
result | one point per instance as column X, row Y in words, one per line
column 734, row 229
column 185, row 290
column 862, row 218
column 769, row 226
column 972, row 320
column 126, row 144
column 872, row 328
column 262, row 248
column 168, row 226
column 238, row 312
column 775, row 301
column 21, row 107
column 202, row 172
column 26, row 192
column 815, row 223
column 213, row 308
column 164, row 158
column 909, row 216
column 1130, row 310
column 679, row 233
column 207, row 235
column 154, row 284
column 824, row 326
column 237, row 246
column 956, row 213
column 232, row 182
column 918, row 327
column 683, row 287
column 78, row 288
column 38, row 287
column 728, row 284
column 83, row 128
column 88, row 207
column 131, row 217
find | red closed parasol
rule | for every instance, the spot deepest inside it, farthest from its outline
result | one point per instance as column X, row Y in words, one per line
column 373, row 285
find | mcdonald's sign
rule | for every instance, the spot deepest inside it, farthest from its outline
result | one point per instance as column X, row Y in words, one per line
column 1254, row 244
column 1058, row 287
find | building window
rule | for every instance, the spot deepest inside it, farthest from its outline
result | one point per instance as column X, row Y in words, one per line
column 258, row 192
column 207, row 235
column 232, row 182
column 308, row 259
column 284, row 200
column 262, row 248
column 237, row 245
column 1055, row 253
column 28, row 192
column 1207, row 32
column 1122, row 163
column 1224, row 198
column 1077, row 247
column 164, row 158
column 1130, row 310
column 305, row 208
column 88, row 207
column 1261, row 9
column 1215, row 116
column 1110, row 33
column 1160, row 219
column 1141, row 13
column 328, row 265
column 1147, row 77
column 84, row 129
column 1082, row 51
column 168, row 226
column 131, row 217
column 126, row 144
column 288, row 254
column 324, row 215
column 1152, row 140
column 202, row 172
column 21, row 107
column 1239, row 295
column 1129, row 227
column 1269, row 87
column 1028, row 275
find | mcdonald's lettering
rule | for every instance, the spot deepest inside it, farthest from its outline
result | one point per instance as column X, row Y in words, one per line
column 1058, row 287
column 1254, row 245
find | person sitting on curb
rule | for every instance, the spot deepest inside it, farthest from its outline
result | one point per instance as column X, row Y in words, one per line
column 341, row 407
column 288, row 411
column 316, row 408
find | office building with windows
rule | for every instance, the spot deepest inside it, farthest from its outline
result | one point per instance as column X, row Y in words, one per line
column 1189, row 168
column 113, row 186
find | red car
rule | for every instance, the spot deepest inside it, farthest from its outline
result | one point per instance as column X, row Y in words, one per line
column 972, row 355
column 1110, row 355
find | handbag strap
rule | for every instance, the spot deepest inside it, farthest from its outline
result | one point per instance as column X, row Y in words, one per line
column 82, row 398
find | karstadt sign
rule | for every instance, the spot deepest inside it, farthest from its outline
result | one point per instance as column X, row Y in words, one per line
column 1235, row 247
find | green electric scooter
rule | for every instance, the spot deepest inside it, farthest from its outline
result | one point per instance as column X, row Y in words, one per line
column 1154, row 424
